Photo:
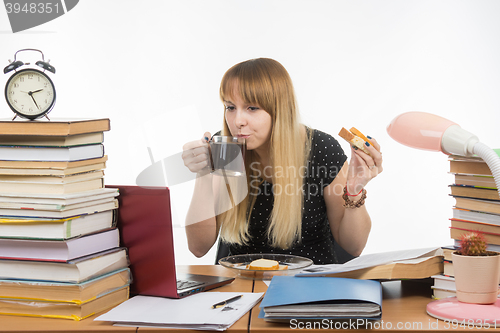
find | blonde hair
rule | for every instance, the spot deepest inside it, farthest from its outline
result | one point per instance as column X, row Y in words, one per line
column 266, row 82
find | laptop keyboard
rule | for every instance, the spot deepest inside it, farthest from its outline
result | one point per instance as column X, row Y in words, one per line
column 183, row 284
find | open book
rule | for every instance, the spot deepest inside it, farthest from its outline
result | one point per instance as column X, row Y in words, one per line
column 404, row 264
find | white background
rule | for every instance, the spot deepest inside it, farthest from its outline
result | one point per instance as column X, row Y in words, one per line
column 154, row 67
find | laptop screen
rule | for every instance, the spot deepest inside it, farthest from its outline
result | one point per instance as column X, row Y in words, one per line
column 145, row 223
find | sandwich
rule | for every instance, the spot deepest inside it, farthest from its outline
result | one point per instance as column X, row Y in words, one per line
column 355, row 138
column 265, row 265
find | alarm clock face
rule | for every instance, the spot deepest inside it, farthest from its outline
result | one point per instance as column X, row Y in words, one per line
column 30, row 93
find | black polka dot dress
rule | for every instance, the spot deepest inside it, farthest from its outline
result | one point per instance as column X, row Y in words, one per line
column 326, row 159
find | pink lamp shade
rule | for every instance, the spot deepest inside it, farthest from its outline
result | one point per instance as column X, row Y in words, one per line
column 431, row 132
column 419, row 130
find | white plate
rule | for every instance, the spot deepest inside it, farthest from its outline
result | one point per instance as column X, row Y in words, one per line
column 289, row 265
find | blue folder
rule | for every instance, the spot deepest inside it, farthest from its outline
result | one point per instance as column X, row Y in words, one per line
column 291, row 290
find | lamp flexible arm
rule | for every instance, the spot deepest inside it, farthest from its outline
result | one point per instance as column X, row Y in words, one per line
column 491, row 159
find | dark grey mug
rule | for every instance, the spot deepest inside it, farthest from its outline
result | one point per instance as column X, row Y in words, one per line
column 227, row 155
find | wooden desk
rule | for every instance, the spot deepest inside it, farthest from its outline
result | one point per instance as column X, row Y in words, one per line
column 403, row 308
column 27, row 324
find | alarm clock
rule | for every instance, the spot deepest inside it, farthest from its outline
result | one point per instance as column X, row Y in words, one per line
column 30, row 92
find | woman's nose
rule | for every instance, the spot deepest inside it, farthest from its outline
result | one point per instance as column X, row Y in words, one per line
column 240, row 119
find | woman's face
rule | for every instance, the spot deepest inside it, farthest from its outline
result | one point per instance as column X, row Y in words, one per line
column 248, row 121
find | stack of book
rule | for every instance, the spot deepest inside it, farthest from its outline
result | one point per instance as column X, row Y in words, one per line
column 60, row 254
column 477, row 208
column 444, row 284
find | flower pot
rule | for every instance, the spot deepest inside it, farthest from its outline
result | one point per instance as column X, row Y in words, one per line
column 476, row 278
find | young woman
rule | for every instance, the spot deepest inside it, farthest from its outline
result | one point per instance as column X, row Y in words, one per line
column 302, row 194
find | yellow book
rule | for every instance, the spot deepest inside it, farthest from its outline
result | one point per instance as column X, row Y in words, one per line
column 63, row 310
column 51, row 168
column 51, row 172
column 65, row 292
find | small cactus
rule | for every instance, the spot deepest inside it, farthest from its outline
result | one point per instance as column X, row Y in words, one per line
column 473, row 244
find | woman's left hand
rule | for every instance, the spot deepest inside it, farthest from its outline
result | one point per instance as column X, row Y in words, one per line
column 364, row 167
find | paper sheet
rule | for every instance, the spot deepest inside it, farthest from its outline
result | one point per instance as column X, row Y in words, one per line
column 192, row 312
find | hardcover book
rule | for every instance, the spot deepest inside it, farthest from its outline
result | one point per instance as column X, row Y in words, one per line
column 474, row 192
column 75, row 271
column 54, row 127
column 56, row 154
column 54, row 201
column 472, row 165
column 55, row 228
column 44, row 168
column 64, row 310
column 47, row 188
column 52, row 141
column 59, row 250
column 486, row 206
column 91, row 209
column 29, row 179
column 65, row 292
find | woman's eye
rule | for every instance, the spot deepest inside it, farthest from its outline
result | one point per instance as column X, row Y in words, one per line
column 230, row 108
column 253, row 108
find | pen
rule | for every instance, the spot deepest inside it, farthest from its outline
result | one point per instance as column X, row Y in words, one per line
column 221, row 304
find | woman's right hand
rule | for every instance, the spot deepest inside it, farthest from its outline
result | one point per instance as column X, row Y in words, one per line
column 195, row 154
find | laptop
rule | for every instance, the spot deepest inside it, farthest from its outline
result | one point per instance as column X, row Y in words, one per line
column 145, row 224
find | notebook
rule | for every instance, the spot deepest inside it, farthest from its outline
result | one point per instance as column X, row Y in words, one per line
column 145, row 223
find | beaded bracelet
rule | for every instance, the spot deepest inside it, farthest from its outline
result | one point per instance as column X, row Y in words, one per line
column 348, row 203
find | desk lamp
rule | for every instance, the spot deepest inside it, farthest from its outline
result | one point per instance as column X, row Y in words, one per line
column 431, row 132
